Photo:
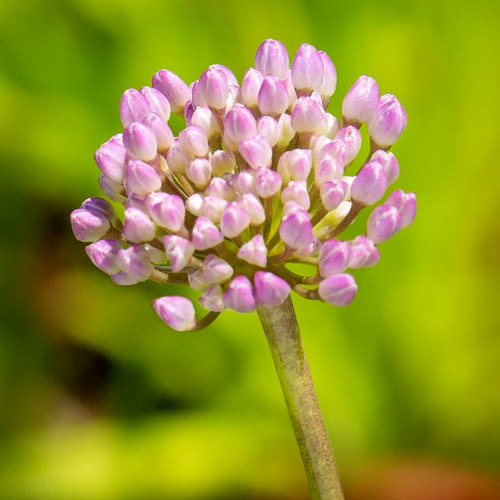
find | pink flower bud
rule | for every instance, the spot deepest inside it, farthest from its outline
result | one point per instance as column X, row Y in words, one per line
column 133, row 107
column 334, row 257
column 256, row 151
column 333, row 193
column 96, row 204
column 141, row 179
column 222, row 163
column 253, row 207
column 138, row 227
column 329, row 83
column 271, row 291
column 361, row 101
column 221, row 188
column 205, row 118
column 179, row 252
column 213, row 206
column 254, row 251
column 193, row 141
column 296, row 230
column 332, row 126
column 338, row 290
column 211, row 299
column 103, row 254
column 352, row 139
column 157, row 102
column 384, row 222
column 307, row 69
column 244, row 182
column 296, row 191
column 234, row 220
column 194, row 204
column 389, row 162
column 267, row 182
column 234, row 97
column 363, row 253
column 313, row 249
column 268, row 128
column 286, row 131
column 166, row 210
column 110, row 158
column 212, row 89
column 299, row 162
column 216, row 270
column 140, row 142
column 161, row 130
column 240, row 295
column 196, row 280
column 327, row 169
column 272, row 59
column 134, row 261
column 291, row 207
column 370, row 184
column 176, row 312
column 113, row 190
column 206, row 234
column 250, row 87
column 388, row 121
column 337, row 149
column 308, row 116
column 239, row 124
column 89, row 225
column 173, row 88
column 177, row 159
column 406, row 204
column 273, row 96
column 199, row 171
column 124, row 279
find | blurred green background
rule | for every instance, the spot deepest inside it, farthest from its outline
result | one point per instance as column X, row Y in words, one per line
column 100, row 400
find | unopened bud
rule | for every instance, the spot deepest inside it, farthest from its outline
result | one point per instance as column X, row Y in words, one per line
column 296, row 230
column 361, row 101
column 135, row 262
column 173, row 88
column 352, row 139
column 308, row 116
column 363, row 253
column 250, row 87
column 199, row 171
column 272, row 59
column 273, row 96
column 206, row 234
column 103, row 254
column 222, row 163
column 268, row 128
column 384, row 222
column 234, row 220
column 177, row 312
column 216, row 270
column 271, row 291
column 267, row 182
column 161, row 130
column 334, row 257
column 205, row 118
column 338, row 290
column 254, row 251
column 256, row 151
column 253, row 207
column 239, row 124
column 370, row 184
column 389, row 162
column 307, row 69
column 138, row 227
column 193, row 141
column 140, row 142
column 296, row 191
column 333, row 193
column 240, row 295
column 89, row 225
column 157, row 102
column 406, row 203
column 133, row 107
column 388, row 121
column 179, row 252
column 110, row 158
column 141, row 179
column 211, row 299
column 166, row 210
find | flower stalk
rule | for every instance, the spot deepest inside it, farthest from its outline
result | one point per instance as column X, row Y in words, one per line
column 283, row 335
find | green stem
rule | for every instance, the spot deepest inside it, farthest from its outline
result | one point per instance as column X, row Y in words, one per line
column 282, row 332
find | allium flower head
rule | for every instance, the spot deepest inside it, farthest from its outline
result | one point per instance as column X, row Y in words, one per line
column 260, row 178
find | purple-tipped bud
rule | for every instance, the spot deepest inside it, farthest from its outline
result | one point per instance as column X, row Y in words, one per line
column 138, row 227
column 239, row 124
column 133, row 107
column 406, row 204
column 250, row 87
column 161, row 130
column 231, row 78
column 268, row 128
column 389, row 162
column 244, row 182
column 333, row 193
column 361, row 101
column 221, row 188
column 384, row 222
column 222, row 163
column 96, row 204
column 234, row 220
column 189, row 110
column 299, row 162
column 312, row 249
column 334, row 257
column 140, row 142
column 103, row 254
column 134, row 261
column 338, row 290
column 240, row 295
column 206, row 234
column 193, row 141
column 270, row 290
column 199, row 171
column 176, row 158
column 267, row 182
column 291, row 207
column 177, row 312
column 388, row 122
column 307, row 69
column 110, row 158
column 213, row 206
column 296, row 230
column 212, row 89
column 157, row 102
column 205, row 118
column 253, row 207
column 352, row 139
column 89, row 225
column 329, row 83
column 370, row 184
column 141, row 179
column 179, row 252
column 332, row 127
column 308, row 116
column 167, row 210
column 173, row 88
column 327, row 169
column 272, row 59
column 286, row 131
column 256, row 151
column 296, row 191
column 113, row 190
column 273, row 96
column 337, row 149
column 363, row 253
column 254, row 251
column 211, row 299
column 216, row 270
column 194, row 204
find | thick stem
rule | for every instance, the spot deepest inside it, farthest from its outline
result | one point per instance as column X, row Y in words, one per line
column 282, row 331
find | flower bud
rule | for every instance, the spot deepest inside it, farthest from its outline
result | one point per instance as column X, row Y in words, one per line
column 272, row 59
column 177, row 159
column 134, row 261
column 253, row 207
column 312, row 249
column 140, row 142
column 244, row 182
column 254, row 251
column 273, row 96
column 199, row 171
column 239, row 124
column 133, row 107
column 384, row 222
column 89, row 225
column 327, row 169
column 296, row 230
column 270, row 290
column 141, row 179
column 179, row 252
column 212, row 89
column 124, row 279
column 256, row 151
column 194, row 204
column 234, row 220
column 206, row 234
column 268, row 128
column 370, row 184
column 388, row 122
column 196, row 280
column 406, row 204
column 286, row 131
column 173, row 88
column 220, row 188
column 299, row 162
column 361, row 101
column 189, row 110
column 96, row 204
column 333, row 193
column 250, row 87
column 166, row 210
column 113, row 190
column 138, row 227
column 177, row 312
column 389, row 162
column 161, row 130
column 329, row 83
column 234, row 97
column 338, row 290
column 337, row 149
column 363, row 253
column 307, row 69
column 308, row 116
column 332, row 126
column 222, row 163
column 193, row 141
column 205, row 118
column 296, row 191
column 216, row 270
column 110, row 158
column 213, row 206
column 334, row 257
column 157, row 102
column 240, row 295
column 352, row 139
column 267, row 182
column 211, row 299
column 103, row 254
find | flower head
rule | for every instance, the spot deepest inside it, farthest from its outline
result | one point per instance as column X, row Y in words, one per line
column 256, row 181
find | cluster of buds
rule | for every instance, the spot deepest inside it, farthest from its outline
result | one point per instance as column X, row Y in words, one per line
column 256, row 181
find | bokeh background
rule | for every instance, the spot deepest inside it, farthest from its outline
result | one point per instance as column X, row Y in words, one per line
column 100, row 400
